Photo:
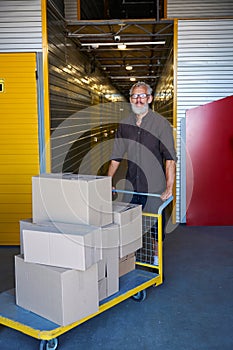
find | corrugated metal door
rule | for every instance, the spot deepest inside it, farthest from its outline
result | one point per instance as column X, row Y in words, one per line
column 20, row 26
column 19, row 151
column 199, row 8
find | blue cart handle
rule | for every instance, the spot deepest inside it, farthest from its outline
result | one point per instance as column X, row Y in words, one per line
column 161, row 207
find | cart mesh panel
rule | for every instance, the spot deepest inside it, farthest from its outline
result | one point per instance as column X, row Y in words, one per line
column 149, row 235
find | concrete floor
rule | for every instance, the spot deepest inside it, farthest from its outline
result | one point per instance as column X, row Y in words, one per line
column 192, row 310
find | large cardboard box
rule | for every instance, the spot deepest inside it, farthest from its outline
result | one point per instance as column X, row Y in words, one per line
column 70, row 198
column 63, row 245
column 129, row 218
column 63, row 296
column 127, row 264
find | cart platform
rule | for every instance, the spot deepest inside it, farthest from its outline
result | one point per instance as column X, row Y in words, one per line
column 34, row 325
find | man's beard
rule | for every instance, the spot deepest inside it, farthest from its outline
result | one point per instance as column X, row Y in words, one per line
column 139, row 110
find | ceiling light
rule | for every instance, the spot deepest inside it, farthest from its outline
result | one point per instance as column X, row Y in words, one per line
column 132, row 79
column 137, row 76
column 146, row 43
column 162, row 42
column 128, row 67
column 121, row 46
column 95, row 46
column 86, row 81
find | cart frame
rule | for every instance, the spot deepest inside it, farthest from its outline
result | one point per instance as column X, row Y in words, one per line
column 135, row 284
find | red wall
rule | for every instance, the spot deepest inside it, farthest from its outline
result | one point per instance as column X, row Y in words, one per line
column 209, row 172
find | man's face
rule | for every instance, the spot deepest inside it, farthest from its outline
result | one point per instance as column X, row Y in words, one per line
column 140, row 104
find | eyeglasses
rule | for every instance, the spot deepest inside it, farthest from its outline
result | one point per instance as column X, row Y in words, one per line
column 142, row 96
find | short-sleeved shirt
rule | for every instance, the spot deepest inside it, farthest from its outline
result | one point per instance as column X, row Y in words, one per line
column 146, row 148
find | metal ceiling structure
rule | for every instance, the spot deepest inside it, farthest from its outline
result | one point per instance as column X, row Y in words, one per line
column 149, row 44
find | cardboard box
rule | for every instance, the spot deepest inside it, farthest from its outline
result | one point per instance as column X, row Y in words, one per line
column 101, row 270
column 70, row 198
column 126, row 264
column 63, row 296
column 102, row 288
column 63, row 245
column 110, row 256
column 129, row 218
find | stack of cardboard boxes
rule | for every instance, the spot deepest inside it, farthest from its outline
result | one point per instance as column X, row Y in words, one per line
column 75, row 247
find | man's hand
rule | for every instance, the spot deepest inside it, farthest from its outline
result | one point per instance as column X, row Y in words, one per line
column 114, row 193
column 166, row 194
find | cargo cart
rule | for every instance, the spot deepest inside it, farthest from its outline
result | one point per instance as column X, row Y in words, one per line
column 133, row 284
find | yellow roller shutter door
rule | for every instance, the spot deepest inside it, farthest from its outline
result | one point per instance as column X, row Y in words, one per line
column 19, row 149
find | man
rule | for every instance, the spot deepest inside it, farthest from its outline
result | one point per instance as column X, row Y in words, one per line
column 147, row 139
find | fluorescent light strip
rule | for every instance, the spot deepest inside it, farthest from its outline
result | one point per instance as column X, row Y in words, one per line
column 125, row 43
column 134, row 76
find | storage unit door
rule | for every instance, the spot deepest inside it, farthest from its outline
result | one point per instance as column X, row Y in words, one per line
column 19, row 151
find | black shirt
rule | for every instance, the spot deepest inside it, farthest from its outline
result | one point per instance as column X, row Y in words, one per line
column 145, row 148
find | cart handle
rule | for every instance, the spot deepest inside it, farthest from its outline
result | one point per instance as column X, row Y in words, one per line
column 161, row 207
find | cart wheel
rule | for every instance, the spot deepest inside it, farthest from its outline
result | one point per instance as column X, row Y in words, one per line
column 51, row 344
column 140, row 296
